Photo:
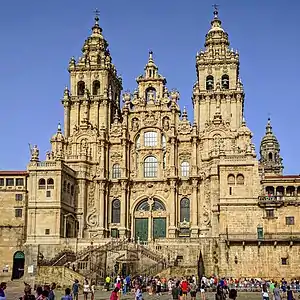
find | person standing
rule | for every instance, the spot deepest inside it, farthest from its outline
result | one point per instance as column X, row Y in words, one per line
column 219, row 294
column 289, row 294
column 138, row 293
column 2, row 289
column 114, row 294
column 276, row 292
column 86, row 289
column 51, row 295
column 75, row 289
column 67, row 295
column 92, row 290
column 233, row 294
column 193, row 291
column 265, row 292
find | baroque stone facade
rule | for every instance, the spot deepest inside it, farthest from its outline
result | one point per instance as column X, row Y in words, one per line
column 143, row 171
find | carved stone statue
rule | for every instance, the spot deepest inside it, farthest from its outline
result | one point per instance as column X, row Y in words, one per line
column 35, row 152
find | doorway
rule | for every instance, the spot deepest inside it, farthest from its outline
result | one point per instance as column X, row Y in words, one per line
column 18, row 265
column 141, row 229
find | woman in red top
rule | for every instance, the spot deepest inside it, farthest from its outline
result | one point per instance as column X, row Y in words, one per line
column 184, row 287
column 114, row 294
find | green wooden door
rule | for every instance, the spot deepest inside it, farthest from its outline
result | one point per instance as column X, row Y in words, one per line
column 141, row 229
column 159, row 228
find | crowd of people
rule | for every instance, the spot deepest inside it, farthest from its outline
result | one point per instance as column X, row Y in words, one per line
column 176, row 288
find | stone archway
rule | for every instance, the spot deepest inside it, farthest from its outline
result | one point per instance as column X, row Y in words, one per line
column 18, row 265
column 150, row 220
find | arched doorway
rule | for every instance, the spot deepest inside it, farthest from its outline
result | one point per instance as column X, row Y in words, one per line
column 18, row 265
column 150, row 220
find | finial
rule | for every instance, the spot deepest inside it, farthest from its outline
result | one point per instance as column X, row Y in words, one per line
column 184, row 114
column 216, row 11
column 58, row 127
column 269, row 126
column 97, row 14
column 150, row 54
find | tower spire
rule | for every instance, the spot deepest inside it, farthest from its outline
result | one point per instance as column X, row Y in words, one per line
column 96, row 29
column 270, row 157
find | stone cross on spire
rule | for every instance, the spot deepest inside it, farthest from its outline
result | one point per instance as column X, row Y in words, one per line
column 216, row 11
column 97, row 14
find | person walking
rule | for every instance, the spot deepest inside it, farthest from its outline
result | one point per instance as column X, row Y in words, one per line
column 276, row 292
column 265, row 292
column 220, row 294
column 233, row 294
column 114, row 294
column 2, row 289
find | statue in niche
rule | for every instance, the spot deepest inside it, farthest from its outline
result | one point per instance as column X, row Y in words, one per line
column 135, row 124
column 166, row 124
column 150, row 94
column 84, row 147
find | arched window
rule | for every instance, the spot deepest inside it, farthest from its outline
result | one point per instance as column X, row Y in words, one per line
column 225, row 82
column 80, row 88
column 116, row 171
column 42, row 184
column 150, row 94
column 68, row 188
column 158, row 205
column 209, row 83
column 50, row 183
column 185, row 169
column 96, row 87
column 72, row 190
column 116, row 211
column 138, row 142
column 143, row 206
column 231, row 179
column 150, row 139
column 240, row 179
column 185, row 210
column 150, row 167
column 270, row 156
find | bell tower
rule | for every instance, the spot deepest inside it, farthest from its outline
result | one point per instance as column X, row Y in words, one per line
column 95, row 87
column 270, row 158
column 218, row 84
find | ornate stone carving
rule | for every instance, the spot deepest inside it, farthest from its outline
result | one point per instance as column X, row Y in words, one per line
column 135, row 124
column 91, row 218
column 91, row 194
column 206, row 212
column 116, row 157
column 150, row 119
column 185, row 154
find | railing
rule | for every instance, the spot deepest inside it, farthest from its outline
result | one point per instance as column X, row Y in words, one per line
column 279, row 236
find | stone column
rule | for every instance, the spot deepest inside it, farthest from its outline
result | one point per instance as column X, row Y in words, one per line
column 81, row 210
column 173, row 210
column 172, row 157
column 194, row 210
column 101, row 208
column 122, row 229
column 67, row 119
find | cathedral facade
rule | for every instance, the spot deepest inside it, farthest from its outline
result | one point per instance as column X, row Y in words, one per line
column 142, row 172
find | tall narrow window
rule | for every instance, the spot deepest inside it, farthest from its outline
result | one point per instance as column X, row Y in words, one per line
column 96, row 87
column 209, row 83
column 184, row 210
column 80, row 88
column 138, row 142
column 185, row 169
column 150, row 167
column 163, row 141
column 150, row 139
column 42, row 184
column 116, row 211
column 116, row 171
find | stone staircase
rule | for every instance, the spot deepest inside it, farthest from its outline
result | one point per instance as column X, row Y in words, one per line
column 84, row 267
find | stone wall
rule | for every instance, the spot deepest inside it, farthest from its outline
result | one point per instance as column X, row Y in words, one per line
column 263, row 261
column 62, row 276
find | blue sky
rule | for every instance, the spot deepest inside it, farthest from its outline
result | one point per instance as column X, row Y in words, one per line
column 39, row 37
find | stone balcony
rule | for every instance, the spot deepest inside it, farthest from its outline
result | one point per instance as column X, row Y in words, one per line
column 278, row 201
column 286, row 238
